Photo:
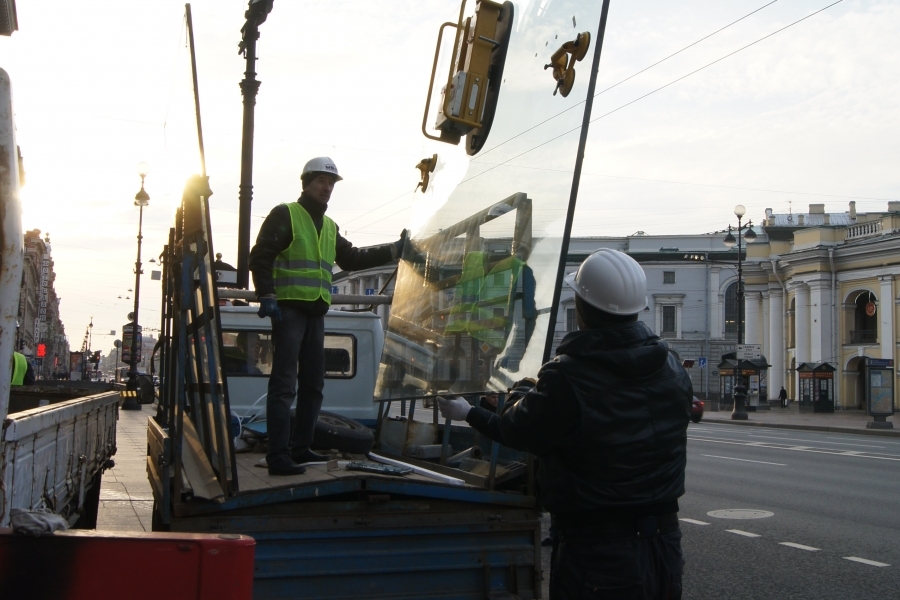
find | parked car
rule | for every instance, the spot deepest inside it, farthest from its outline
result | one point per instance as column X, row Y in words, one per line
column 697, row 410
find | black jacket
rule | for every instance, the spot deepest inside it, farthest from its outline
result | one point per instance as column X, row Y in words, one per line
column 276, row 235
column 608, row 420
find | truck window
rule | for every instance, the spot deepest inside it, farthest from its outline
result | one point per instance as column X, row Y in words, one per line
column 340, row 356
column 249, row 353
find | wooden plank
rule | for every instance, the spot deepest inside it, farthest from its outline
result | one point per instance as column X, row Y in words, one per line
column 197, row 467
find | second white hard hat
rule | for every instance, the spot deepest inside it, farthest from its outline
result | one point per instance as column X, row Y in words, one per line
column 611, row 281
column 321, row 164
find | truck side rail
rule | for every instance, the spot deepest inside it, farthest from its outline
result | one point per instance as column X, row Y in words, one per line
column 53, row 456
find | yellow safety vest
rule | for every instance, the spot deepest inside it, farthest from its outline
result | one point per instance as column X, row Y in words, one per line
column 20, row 367
column 303, row 270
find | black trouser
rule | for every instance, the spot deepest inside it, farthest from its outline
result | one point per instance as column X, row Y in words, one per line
column 298, row 339
column 635, row 561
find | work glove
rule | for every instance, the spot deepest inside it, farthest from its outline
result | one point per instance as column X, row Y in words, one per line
column 268, row 307
column 398, row 246
column 455, row 409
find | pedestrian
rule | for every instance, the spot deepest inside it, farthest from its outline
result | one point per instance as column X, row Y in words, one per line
column 782, row 395
column 291, row 264
column 608, row 421
column 22, row 373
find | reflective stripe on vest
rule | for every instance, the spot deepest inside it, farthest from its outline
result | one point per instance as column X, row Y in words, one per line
column 303, row 270
column 20, row 367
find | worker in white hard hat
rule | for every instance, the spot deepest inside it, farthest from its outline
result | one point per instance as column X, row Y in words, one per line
column 295, row 251
column 608, row 421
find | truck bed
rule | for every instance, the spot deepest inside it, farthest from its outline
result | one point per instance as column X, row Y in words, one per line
column 54, row 455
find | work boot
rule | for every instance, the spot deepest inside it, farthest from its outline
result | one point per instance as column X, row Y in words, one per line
column 304, row 456
column 285, row 466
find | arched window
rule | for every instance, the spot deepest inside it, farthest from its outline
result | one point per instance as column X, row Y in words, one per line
column 731, row 312
column 865, row 321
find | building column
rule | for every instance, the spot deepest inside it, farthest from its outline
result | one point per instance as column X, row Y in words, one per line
column 777, row 342
column 678, row 321
column 716, row 321
column 751, row 318
column 801, row 320
column 764, row 331
column 886, row 320
column 820, row 321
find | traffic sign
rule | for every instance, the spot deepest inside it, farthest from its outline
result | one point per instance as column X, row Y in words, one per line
column 370, row 291
column 748, row 351
column 701, row 362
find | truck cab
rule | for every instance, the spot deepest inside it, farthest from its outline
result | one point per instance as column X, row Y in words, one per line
column 353, row 345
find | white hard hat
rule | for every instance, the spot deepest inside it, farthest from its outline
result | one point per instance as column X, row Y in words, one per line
column 611, row 281
column 321, row 164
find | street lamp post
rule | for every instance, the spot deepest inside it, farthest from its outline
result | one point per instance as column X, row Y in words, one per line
column 141, row 199
column 739, row 413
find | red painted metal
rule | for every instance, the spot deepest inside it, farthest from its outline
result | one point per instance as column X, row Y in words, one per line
column 98, row 565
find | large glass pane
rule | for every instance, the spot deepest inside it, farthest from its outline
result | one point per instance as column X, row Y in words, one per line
column 474, row 289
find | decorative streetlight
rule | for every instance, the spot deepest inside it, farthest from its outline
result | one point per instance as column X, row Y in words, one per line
column 141, row 199
column 739, row 413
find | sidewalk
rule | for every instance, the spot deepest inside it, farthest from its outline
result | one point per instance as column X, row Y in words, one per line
column 126, row 501
column 842, row 421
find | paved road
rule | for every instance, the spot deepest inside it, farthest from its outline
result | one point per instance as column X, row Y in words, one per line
column 835, row 504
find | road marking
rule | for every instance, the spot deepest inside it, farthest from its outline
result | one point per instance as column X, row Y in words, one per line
column 773, row 446
column 762, row 462
column 799, row 546
column 692, row 521
column 743, row 533
column 866, row 561
column 787, row 439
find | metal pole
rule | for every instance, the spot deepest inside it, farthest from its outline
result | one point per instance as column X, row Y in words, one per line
column 740, row 291
column 131, row 403
column 576, row 179
column 190, row 30
column 739, row 412
column 249, row 88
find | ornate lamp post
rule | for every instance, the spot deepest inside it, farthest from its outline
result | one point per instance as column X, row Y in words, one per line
column 141, row 199
column 739, row 413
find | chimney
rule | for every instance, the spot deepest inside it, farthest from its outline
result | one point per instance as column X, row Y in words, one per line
column 853, row 209
column 827, row 219
column 894, row 206
column 800, row 220
column 817, row 209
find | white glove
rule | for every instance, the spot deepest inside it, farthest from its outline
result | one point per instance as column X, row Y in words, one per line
column 454, row 409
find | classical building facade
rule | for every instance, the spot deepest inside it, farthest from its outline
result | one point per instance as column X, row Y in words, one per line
column 822, row 287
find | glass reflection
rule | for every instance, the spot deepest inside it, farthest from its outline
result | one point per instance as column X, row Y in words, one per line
column 474, row 289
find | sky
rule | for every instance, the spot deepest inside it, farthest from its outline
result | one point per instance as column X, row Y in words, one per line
column 806, row 115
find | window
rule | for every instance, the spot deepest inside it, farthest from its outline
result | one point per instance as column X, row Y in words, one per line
column 571, row 321
column 249, row 353
column 731, row 311
column 668, row 320
column 340, row 356
column 668, row 276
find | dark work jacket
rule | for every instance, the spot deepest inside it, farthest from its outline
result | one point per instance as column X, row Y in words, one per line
column 276, row 235
column 608, row 420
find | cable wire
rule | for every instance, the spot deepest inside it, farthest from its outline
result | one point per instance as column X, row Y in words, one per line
column 720, row 59
column 706, row 37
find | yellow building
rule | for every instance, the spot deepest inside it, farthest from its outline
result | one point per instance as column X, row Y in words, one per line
column 822, row 287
